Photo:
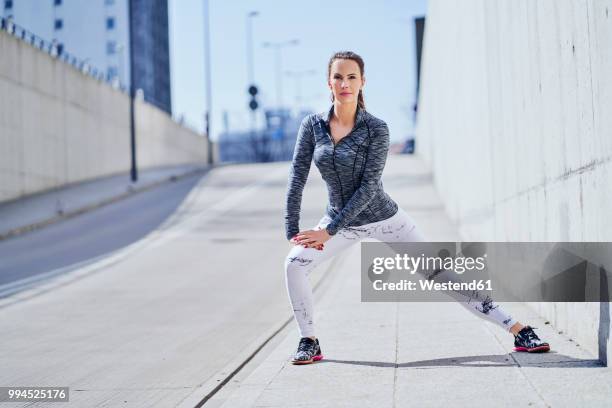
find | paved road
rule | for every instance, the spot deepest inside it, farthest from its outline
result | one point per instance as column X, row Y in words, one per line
column 90, row 235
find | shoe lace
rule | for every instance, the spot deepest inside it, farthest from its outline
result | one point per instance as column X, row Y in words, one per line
column 305, row 344
column 531, row 334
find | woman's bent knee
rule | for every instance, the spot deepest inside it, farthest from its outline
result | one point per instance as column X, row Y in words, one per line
column 297, row 263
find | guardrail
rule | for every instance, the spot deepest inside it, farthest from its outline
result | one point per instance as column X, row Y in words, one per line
column 56, row 50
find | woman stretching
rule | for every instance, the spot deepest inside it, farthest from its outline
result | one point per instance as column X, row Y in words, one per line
column 349, row 147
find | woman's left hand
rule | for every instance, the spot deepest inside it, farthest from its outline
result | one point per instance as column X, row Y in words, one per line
column 312, row 237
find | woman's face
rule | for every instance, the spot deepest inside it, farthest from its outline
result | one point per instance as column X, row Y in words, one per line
column 345, row 80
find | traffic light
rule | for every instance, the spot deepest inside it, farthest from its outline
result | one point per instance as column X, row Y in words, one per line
column 253, row 92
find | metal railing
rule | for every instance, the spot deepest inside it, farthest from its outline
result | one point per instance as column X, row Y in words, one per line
column 56, row 50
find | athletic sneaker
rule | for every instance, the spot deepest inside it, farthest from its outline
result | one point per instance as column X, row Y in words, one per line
column 308, row 351
column 527, row 340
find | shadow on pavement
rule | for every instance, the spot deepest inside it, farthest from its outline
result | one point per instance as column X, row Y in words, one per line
column 547, row 360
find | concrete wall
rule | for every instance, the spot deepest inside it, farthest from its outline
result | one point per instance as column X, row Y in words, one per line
column 58, row 126
column 161, row 140
column 515, row 120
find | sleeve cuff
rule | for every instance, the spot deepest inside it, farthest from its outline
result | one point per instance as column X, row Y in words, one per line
column 291, row 234
column 331, row 230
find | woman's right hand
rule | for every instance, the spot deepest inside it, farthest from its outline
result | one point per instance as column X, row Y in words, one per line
column 317, row 246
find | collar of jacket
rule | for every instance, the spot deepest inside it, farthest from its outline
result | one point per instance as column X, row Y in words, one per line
column 326, row 116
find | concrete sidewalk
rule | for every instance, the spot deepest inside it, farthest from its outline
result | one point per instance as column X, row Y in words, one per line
column 415, row 354
column 411, row 354
column 41, row 209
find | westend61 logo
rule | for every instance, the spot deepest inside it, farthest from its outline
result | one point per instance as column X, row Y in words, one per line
column 413, row 264
column 478, row 271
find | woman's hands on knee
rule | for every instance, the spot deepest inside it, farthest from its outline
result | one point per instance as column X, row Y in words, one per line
column 311, row 238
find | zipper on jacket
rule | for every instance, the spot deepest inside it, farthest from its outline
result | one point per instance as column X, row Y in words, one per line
column 336, row 171
column 331, row 138
column 334, row 144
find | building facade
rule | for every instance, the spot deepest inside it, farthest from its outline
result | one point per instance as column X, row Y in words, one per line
column 98, row 33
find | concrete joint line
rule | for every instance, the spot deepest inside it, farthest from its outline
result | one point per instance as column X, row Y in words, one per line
column 218, row 381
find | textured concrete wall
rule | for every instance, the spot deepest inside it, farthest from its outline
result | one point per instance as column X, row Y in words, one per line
column 514, row 118
column 161, row 140
column 58, row 126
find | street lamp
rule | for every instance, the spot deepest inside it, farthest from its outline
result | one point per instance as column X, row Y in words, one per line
column 208, row 82
column 132, row 31
column 250, row 67
column 277, row 46
column 249, row 39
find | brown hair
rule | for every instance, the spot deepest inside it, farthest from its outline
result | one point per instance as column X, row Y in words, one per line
column 349, row 55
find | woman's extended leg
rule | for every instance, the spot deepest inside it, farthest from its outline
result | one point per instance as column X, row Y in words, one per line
column 298, row 264
column 402, row 228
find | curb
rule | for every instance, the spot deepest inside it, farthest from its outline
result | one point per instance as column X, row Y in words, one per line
column 131, row 190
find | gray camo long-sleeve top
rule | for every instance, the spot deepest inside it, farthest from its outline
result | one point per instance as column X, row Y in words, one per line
column 352, row 169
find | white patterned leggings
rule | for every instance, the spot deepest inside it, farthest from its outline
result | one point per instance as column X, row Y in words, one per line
column 399, row 228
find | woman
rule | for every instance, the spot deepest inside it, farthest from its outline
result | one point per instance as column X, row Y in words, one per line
column 349, row 147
